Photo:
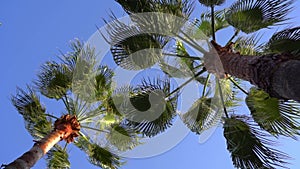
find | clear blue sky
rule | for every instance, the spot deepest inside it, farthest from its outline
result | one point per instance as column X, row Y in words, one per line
column 32, row 31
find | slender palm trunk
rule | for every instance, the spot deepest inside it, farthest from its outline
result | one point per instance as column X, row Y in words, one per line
column 277, row 74
column 65, row 128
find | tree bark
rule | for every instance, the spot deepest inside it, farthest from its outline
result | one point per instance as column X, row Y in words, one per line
column 277, row 74
column 39, row 149
column 65, row 128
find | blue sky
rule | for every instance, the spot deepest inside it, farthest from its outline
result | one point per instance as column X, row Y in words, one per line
column 32, row 32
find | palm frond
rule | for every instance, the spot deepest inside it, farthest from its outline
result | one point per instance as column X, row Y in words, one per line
column 58, row 158
column 54, row 80
column 275, row 116
column 28, row 105
column 228, row 94
column 181, row 8
column 147, row 110
column 202, row 115
column 247, row 45
column 88, row 75
column 98, row 155
column 122, row 138
column 249, row 147
column 285, row 41
column 131, row 48
column 211, row 2
column 253, row 15
column 103, row 83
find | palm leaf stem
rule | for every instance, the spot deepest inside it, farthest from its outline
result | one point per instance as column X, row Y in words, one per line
column 213, row 22
column 185, row 83
column 183, row 56
column 238, row 86
column 65, row 146
column 50, row 115
column 65, row 101
column 206, row 84
column 91, row 128
column 222, row 99
column 90, row 116
column 191, row 42
column 237, row 31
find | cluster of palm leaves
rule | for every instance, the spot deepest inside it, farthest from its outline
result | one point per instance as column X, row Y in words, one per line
column 101, row 110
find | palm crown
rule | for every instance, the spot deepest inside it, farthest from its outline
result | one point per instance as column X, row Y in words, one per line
column 248, row 136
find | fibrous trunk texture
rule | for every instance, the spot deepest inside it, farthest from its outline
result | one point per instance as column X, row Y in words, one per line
column 277, row 74
column 65, row 128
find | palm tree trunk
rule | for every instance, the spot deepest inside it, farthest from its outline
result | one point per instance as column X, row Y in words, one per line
column 65, row 128
column 277, row 74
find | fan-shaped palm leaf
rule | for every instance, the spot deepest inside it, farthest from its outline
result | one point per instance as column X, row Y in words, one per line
column 275, row 116
column 58, row 158
column 28, row 105
column 132, row 49
column 286, row 41
column 54, row 80
column 122, row 138
column 202, row 115
column 252, row 15
column 211, row 2
column 249, row 148
column 97, row 155
column 147, row 110
column 103, row 82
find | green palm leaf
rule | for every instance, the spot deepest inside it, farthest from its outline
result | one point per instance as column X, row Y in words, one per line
column 90, row 82
column 54, row 80
column 211, row 2
column 58, row 158
column 70, row 59
column 122, row 138
column 286, row 41
column 132, row 49
column 103, row 82
column 202, row 115
column 252, row 15
column 28, row 105
column 152, row 118
column 249, row 147
column 275, row 116
column 97, row 155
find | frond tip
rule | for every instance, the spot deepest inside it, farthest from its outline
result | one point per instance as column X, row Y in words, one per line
column 28, row 105
column 249, row 147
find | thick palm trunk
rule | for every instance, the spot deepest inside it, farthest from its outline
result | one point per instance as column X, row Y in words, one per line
column 65, row 128
column 277, row 74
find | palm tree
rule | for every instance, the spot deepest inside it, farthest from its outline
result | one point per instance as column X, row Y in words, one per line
column 271, row 67
column 80, row 118
column 93, row 107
